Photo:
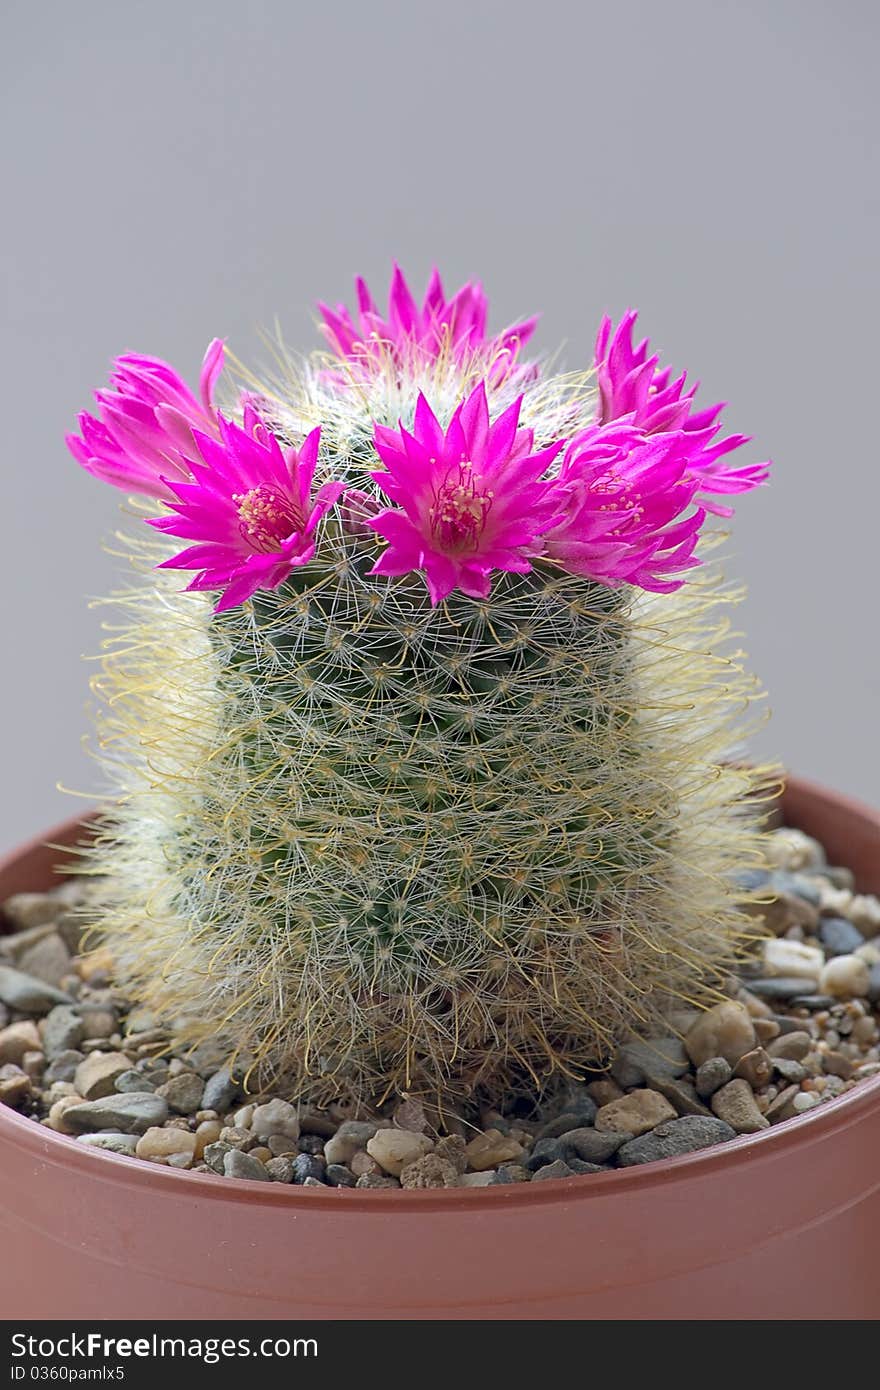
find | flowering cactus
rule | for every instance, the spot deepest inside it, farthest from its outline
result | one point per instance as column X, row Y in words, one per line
column 421, row 742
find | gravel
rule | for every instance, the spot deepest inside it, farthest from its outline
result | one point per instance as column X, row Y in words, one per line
column 801, row 1027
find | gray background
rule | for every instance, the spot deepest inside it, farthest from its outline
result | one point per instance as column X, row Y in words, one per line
column 178, row 170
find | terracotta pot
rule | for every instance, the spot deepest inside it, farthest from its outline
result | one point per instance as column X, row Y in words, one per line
column 780, row 1225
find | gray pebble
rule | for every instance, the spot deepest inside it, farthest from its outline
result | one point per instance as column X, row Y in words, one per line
column 675, row 1137
column 813, row 1001
column 680, row 1092
column 64, row 1030
column 113, row 1140
column 309, row 1144
column 874, row 984
column 134, row 1113
column 545, row 1151
column 711, row 1076
column 799, row 885
column 509, row 1173
column 839, row 937
column 339, row 1176
column 563, row 1123
column 558, row 1169
column 241, row 1165
column 578, row 1165
column 221, row 1091
column 783, row 988
column 184, row 1093
column 63, row 1067
column 750, row 879
column 376, row 1180
column 308, row 1166
column 637, row 1062
column 132, row 1080
column 592, row 1145
column 790, row 1070
column 28, row 994
column 215, row 1154
column 280, row 1169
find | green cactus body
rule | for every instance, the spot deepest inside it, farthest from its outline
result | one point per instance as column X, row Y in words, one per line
column 377, row 845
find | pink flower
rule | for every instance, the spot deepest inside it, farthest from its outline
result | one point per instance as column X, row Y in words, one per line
column 249, row 508
column 452, row 328
column 146, row 423
column 627, row 495
column 632, row 387
column 469, row 500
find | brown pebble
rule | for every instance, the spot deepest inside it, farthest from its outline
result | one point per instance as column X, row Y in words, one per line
column 766, row 1029
column 56, row 1118
column 735, row 1104
column 429, row 1171
column 158, row 1144
column 452, row 1149
column 96, row 1075
column 835, row 1064
column 208, row 1132
column 726, row 1030
column 487, row 1150
column 410, row 1114
column 604, row 1091
column 361, row 1164
column 18, row 1039
column 781, row 1108
column 635, row 1113
column 755, row 1067
column 794, row 1046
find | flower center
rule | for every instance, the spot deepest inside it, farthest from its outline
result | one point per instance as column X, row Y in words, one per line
column 460, row 509
column 266, row 517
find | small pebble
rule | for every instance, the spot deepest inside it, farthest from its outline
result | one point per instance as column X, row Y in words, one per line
column 756, row 1068
column 726, row 1030
column 845, row 976
column 794, row 1046
column 183, row 1092
column 430, row 1171
column 485, row 1151
column 636, row 1113
column 221, row 1091
column 559, row 1169
column 839, row 937
column 792, row 959
column 712, row 1074
column 133, row 1113
column 308, row 1166
column 96, row 1074
column 280, row 1169
column 158, row 1145
column 735, row 1105
column 17, row 1039
column 675, row 1137
column 241, row 1165
column 275, row 1117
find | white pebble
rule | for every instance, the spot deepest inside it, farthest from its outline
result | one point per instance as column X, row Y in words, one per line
column 792, row 849
column 845, row 976
column 864, row 913
column 870, row 953
column 834, row 900
column 804, row 1100
column 792, row 958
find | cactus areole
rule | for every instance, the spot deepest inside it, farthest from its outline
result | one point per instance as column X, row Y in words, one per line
column 422, row 717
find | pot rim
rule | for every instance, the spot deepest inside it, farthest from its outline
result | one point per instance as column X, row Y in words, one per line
column 816, row 1125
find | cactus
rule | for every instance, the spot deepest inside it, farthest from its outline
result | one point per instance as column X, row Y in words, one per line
column 377, row 836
